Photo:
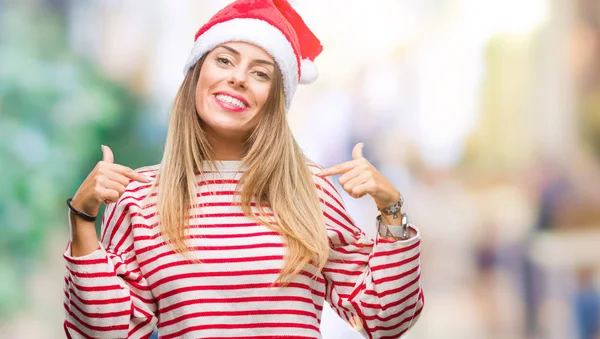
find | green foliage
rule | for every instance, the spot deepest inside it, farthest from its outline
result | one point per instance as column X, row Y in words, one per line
column 56, row 109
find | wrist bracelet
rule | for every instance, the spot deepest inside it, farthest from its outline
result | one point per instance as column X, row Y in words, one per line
column 394, row 209
column 80, row 214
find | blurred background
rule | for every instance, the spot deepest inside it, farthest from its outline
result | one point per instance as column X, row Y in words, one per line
column 484, row 113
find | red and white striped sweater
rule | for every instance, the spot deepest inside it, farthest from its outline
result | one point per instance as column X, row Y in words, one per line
column 133, row 282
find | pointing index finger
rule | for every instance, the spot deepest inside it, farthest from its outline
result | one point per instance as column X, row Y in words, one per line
column 337, row 169
column 130, row 173
column 139, row 177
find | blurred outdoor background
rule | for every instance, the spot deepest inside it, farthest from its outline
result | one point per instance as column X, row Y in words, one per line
column 484, row 113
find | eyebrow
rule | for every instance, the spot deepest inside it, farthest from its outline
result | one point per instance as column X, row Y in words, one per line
column 259, row 61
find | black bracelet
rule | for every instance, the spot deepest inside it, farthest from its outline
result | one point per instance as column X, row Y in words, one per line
column 81, row 214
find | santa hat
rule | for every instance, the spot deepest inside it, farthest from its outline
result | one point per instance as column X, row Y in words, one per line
column 270, row 24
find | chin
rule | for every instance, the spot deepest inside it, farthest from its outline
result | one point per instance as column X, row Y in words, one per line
column 229, row 130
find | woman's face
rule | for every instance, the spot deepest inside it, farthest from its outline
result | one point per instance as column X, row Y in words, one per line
column 233, row 86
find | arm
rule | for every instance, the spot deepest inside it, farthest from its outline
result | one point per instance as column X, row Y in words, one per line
column 372, row 284
column 105, row 292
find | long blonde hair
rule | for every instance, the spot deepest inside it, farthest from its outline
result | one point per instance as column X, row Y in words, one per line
column 277, row 175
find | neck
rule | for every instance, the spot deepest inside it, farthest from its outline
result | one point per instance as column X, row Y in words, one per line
column 228, row 148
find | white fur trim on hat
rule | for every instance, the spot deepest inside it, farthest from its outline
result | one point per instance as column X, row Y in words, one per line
column 308, row 72
column 257, row 32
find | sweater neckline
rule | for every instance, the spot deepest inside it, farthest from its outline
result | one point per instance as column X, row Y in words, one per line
column 224, row 166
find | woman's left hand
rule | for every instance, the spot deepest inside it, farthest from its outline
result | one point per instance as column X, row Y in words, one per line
column 360, row 177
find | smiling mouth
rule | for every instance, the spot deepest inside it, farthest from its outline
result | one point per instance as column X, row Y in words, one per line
column 231, row 101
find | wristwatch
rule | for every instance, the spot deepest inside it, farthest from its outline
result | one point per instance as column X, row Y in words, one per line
column 401, row 232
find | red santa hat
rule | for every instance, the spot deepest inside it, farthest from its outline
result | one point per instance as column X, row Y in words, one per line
column 270, row 24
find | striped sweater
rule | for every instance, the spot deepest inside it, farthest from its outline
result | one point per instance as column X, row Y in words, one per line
column 134, row 283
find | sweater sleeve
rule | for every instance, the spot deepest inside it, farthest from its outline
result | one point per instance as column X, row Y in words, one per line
column 106, row 295
column 374, row 285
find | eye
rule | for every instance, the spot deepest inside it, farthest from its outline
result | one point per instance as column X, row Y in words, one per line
column 223, row 61
column 262, row 75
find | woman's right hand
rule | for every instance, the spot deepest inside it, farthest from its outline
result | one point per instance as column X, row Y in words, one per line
column 106, row 183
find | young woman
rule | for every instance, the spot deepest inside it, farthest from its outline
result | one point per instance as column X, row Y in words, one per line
column 236, row 234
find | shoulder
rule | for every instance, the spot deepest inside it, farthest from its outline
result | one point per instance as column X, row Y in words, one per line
column 150, row 171
column 138, row 190
column 326, row 189
column 313, row 167
column 332, row 203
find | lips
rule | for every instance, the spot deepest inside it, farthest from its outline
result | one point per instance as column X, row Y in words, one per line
column 225, row 95
column 229, row 103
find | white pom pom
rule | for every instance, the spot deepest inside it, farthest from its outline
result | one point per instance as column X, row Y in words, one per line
column 309, row 72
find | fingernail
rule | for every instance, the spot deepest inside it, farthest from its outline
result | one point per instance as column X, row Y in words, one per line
column 102, row 147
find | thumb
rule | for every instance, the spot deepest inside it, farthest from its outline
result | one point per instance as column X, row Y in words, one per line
column 107, row 154
column 357, row 151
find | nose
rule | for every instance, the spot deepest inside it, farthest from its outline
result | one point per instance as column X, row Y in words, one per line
column 238, row 78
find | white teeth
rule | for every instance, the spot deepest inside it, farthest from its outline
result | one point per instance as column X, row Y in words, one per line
column 230, row 100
